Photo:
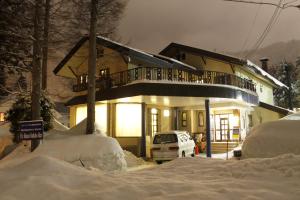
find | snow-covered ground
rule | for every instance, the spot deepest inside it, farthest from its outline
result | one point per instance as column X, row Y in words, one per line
column 55, row 170
column 189, row 178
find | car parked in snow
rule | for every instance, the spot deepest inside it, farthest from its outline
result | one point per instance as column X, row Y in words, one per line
column 171, row 145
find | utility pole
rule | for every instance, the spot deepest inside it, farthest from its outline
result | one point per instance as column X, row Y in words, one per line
column 90, row 125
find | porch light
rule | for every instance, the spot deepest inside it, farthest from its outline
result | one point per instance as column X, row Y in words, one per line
column 153, row 111
column 166, row 113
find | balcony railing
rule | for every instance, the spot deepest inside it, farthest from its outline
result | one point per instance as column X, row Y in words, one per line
column 168, row 75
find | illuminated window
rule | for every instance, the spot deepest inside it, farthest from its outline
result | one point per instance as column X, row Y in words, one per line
column 81, row 113
column 166, row 113
column 183, row 119
column 104, row 73
column 154, row 121
column 100, row 115
column 128, row 120
column 1, row 116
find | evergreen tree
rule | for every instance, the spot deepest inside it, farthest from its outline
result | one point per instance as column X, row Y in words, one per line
column 21, row 111
column 15, row 38
column 281, row 95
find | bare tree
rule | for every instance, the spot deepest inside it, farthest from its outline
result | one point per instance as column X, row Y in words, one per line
column 36, row 68
column 90, row 126
column 45, row 44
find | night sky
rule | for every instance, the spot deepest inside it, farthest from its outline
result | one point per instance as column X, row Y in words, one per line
column 210, row 24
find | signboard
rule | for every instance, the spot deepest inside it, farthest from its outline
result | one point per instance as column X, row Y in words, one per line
column 236, row 133
column 30, row 130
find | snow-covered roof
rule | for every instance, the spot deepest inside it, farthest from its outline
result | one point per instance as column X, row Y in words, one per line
column 160, row 57
column 266, row 74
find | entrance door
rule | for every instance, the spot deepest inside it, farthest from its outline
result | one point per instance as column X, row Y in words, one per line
column 224, row 129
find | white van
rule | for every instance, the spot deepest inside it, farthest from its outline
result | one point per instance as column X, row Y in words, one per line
column 173, row 144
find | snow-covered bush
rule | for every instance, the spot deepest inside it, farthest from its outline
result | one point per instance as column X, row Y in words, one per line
column 21, row 111
column 271, row 139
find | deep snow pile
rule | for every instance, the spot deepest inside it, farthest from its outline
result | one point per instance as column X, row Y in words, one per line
column 74, row 146
column 295, row 116
column 90, row 151
column 272, row 139
column 62, row 132
column 132, row 160
column 189, row 178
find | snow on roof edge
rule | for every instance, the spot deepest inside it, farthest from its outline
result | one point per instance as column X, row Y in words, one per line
column 266, row 74
column 148, row 54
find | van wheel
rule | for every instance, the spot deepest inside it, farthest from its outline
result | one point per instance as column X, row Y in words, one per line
column 159, row 162
column 183, row 154
column 193, row 154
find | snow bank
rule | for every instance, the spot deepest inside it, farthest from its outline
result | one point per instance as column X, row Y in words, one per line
column 74, row 146
column 295, row 116
column 189, row 178
column 4, row 129
column 80, row 128
column 272, row 139
column 60, row 131
column 132, row 160
column 90, row 151
column 59, row 126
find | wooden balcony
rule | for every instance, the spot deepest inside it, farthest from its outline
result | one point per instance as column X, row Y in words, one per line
column 170, row 75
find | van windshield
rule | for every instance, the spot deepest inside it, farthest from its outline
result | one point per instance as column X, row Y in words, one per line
column 165, row 138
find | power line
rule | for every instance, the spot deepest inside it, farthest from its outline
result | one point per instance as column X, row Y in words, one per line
column 271, row 23
column 250, row 31
column 283, row 6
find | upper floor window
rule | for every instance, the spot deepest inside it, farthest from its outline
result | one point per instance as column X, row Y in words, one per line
column 104, row 73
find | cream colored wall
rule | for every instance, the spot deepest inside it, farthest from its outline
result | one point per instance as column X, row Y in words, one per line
column 261, row 115
column 72, row 116
column 112, row 60
column 211, row 64
column 263, row 88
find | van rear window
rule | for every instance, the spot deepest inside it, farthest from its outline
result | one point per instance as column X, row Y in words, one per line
column 165, row 138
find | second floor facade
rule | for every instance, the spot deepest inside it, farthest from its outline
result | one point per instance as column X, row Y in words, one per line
column 119, row 65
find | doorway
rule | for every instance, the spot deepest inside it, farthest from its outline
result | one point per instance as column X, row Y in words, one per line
column 224, row 129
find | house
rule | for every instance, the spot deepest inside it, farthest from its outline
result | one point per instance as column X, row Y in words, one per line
column 185, row 88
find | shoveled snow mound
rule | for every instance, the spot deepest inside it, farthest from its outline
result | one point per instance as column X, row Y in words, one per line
column 132, row 160
column 189, row 178
column 91, row 151
column 272, row 139
column 59, row 126
column 79, row 129
column 295, row 116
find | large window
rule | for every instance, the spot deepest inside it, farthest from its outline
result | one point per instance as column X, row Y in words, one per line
column 1, row 116
column 128, row 120
column 100, row 116
column 154, row 121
